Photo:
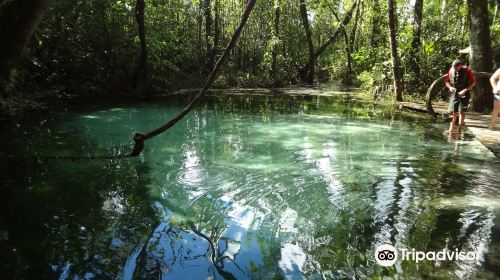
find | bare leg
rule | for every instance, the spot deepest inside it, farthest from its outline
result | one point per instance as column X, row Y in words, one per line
column 453, row 120
column 462, row 120
column 494, row 114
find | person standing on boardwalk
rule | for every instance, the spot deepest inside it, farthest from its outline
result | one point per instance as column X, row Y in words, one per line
column 495, row 84
column 460, row 80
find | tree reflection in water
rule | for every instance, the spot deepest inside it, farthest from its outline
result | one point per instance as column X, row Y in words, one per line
column 246, row 188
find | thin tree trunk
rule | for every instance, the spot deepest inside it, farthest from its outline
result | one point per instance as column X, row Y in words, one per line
column 327, row 43
column 415, row 44
column 353, row 34
column 216, row 33
column 481, row 54
column 348, row 76
column 497, row 3
column 396, row 71
column 200, row 27
column 139, row 138
column 274, row 70
column 208, row 34
column 376, row 38
column 337, row 32
column 141, row 70
column 311, row 63
column 18, row 20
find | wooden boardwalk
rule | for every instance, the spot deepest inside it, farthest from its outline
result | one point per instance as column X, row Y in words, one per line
column 476, row 123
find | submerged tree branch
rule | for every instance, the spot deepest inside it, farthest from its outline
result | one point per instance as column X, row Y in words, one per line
column 139, row 138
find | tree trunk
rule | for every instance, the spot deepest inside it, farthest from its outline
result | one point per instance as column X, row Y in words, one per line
column 375, row 38
column 337, row 32
column 481, row 54
column 415, row 43
column 497, row 3
column 18, row 20
column 311, row 63
column 216, row 34
column 348, row 76
column 274, row 70
column 353, row 35
column 208, row 34
column 141, row 70
column 139, row 138
column 330, row 40
column 396, row 71
column 200, row 27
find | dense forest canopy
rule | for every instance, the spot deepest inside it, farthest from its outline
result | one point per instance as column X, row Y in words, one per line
column 116, row 46
column 302, row 179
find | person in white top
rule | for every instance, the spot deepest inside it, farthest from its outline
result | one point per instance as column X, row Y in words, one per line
column 495, row 84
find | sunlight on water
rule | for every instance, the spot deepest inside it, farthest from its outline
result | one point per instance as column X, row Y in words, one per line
column 468, row 201
column 230, row 193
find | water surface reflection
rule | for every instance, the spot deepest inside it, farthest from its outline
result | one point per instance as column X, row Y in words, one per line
column 246, row 188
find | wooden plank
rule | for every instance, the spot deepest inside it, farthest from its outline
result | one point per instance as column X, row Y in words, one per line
column 439, row 107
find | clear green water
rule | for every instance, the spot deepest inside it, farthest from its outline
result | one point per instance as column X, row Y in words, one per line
column 244, row 188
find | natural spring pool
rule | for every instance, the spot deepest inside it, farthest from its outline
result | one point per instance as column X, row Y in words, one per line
column 244, row 188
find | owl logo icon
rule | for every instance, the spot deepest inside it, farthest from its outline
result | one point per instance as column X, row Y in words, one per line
column 386, row 255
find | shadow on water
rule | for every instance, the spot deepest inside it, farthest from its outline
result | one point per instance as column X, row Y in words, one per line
column 244, row 188
column 65, row 218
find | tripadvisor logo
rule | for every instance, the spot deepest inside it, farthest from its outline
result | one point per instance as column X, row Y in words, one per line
column 387, row 255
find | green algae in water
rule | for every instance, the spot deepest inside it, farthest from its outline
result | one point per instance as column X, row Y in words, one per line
column 246, row 188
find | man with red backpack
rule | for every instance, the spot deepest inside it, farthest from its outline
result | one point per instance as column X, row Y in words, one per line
column 460, row 80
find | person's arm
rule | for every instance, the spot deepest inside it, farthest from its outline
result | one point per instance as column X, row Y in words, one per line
column 494, row 78
column 447, row 83
column 472, row 79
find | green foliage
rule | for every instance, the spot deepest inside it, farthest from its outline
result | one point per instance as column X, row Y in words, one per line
column 83, row 46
